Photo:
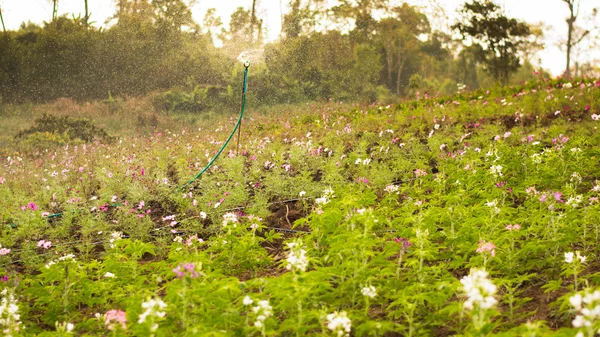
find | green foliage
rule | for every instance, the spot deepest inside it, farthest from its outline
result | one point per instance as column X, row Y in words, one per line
column 60, row 130
column 378, row 213
column 497, row 38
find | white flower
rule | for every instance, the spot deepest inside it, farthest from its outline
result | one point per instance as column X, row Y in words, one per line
column 569, row 257
column 10, row 320
column 479, row 289
column 339, row 323
column 575, row 301
column 392, row 188
column 114, row 236
column 366, row 161
column 262, row 310
column 496, row 170
column 579, row 321
column 70, row 327
column 153, row 308
column 369, row 291
column 297, row 259
column 247, row 300
column 228, row 218
column 109, row 275
column 302, row 193
column 580, row 257
column 568, row 85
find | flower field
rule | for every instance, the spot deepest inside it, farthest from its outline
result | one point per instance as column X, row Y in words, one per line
column 470, row 215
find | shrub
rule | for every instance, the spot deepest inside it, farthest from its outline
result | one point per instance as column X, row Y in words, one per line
column 70, row 129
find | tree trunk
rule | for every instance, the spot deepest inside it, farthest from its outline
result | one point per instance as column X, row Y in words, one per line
column 252, row 20
column 401, row 61
column 2, row 20
column 571, row 24
column 54, row 9
column 390, row 64
column 87, row 13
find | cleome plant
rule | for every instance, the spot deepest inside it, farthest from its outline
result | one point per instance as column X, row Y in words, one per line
column 469, row 215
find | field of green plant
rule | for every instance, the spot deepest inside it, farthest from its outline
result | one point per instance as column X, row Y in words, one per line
column 470, row 215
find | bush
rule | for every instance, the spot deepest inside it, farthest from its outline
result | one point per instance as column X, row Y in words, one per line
column 69, row 129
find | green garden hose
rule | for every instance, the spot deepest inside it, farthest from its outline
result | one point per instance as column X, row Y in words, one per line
column 237, row 125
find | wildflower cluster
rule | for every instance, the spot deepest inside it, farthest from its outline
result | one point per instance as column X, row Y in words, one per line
column 230, row 218
column 369, row 291
column 153, row 310
column 262, row 310
column 10, row 320
column 339, row 323
column 68, row 258
column 297, row 259
column 328, row 194
column 479, row 290
column 587, row 312
column 186, row 269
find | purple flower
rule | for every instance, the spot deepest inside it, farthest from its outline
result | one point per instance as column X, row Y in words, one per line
column 557, row 196
column 404, row 242
column 188, row 269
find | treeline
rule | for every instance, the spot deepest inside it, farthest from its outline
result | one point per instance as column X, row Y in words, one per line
column 155, row 46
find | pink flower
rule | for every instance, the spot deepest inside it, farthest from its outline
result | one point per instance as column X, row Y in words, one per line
column 32, row 206
column 141, row 204
column 512, row 227
column 193, row 239
column 44, row 244
column 596, row 117
column 420, row 173
column 2, row 180
column 486, row 247
column 557, row 196
column 4, row 251
column 113, row 317
column 362, row 180
column 188, row 269
column 404, row 242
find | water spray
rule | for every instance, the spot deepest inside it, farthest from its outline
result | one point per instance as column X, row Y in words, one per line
column 236, row 128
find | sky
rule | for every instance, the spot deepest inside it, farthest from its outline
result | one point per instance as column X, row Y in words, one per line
column 551, row 12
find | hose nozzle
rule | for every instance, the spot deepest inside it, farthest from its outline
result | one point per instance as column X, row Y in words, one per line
column 247, row 64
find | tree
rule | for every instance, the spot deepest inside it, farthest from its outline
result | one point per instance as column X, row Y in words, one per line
column 399, row 36
column 299, row 20
column 498, row 37
column 575, row 34
column 211, row 23
column 361, row 12
column 535, row 43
